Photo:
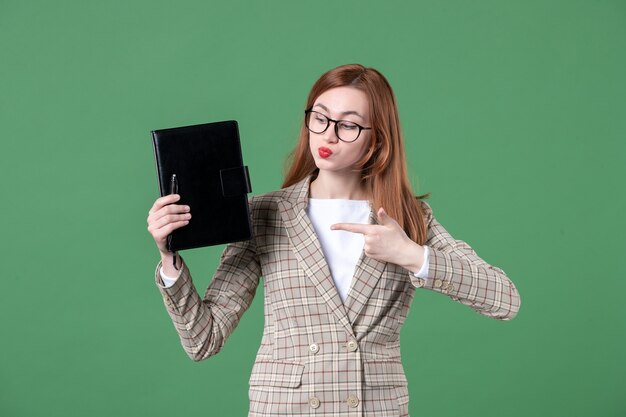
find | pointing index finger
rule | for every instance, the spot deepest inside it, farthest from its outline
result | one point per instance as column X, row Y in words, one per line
column 352, row 227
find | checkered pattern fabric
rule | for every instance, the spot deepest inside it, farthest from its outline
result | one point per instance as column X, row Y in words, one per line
column 319, row 356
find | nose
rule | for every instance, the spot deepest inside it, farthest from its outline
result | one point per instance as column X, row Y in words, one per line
column 330, row 135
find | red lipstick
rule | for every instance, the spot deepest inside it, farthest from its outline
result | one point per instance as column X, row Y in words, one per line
column 324, row 152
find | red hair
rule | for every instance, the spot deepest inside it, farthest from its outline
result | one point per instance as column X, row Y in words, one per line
column 383, row 167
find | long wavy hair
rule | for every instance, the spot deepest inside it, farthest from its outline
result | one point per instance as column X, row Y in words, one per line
column 383, row 166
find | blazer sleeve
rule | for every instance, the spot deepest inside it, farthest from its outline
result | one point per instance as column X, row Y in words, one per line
column 455, row 270
column 204, row 324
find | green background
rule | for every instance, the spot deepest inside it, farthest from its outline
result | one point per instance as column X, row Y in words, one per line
column 514, row 117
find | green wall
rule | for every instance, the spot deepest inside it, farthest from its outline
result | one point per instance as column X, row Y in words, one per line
column 514, row 116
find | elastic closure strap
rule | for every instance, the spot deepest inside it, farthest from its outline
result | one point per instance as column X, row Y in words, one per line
column 235, row 181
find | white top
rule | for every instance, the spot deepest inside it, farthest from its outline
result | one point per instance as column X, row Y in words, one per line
column 342, row 249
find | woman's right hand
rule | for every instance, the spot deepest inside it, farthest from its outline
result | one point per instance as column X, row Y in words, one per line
column 164, row 217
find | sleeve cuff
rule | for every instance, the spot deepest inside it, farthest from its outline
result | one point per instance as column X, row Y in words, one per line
column 164, row 281
column 167, row 281
column 423, row 272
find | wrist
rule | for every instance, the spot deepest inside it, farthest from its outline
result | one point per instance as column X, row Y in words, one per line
column 166, row 255
column 171, row 262
column 170, row 259
column 414, row 257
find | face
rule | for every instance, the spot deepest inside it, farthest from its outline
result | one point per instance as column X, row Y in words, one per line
column 346, row 104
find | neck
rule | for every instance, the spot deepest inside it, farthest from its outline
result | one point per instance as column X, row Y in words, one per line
column 347, row 186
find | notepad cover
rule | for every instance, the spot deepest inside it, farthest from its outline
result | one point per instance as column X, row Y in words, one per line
column 212, row 181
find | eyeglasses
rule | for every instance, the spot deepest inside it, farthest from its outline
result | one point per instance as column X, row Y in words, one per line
column 346, row 131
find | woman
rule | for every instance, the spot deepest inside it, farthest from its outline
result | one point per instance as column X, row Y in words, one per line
column 341, row 249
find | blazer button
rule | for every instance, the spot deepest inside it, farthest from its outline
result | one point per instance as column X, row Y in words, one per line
column 314, row 402
column 352, row 345
column 450, row 287
column 314, row 348
column 353, row 401
column 438, row 283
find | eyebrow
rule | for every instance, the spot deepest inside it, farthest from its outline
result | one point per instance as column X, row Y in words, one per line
column 345, row 113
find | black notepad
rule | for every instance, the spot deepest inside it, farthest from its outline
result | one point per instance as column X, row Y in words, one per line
column 210, row 178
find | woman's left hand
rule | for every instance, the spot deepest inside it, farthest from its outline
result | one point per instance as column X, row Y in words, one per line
column 387, row 242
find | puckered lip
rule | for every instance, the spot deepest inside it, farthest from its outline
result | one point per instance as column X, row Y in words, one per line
column 324, row 152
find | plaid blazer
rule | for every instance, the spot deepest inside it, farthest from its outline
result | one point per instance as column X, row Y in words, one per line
column 318, row 355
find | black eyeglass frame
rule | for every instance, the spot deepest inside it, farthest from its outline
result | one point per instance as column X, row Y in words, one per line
column 306, row 123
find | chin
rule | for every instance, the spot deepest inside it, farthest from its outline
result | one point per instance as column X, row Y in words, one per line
column 324, row 164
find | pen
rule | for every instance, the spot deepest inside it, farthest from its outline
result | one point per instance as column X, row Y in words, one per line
column 174, row 184
column 173, row 190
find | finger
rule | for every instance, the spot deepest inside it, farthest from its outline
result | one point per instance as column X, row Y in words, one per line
column 161, row 222
column 168, row 214
column 175, row 209
column 165, row 227
column 161, row 235
column 173, row 226
column 352, row 227
column 384, row 219
column 169, row 209
column 163, row 201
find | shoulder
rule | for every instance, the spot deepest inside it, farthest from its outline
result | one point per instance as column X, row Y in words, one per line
column 292, row 194
column 263, row 204
column 270, row 196
column 269, row 199
column 426, row 210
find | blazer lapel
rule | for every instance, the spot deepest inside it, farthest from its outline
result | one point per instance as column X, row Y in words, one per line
column 366, row 276
column 308, row 250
